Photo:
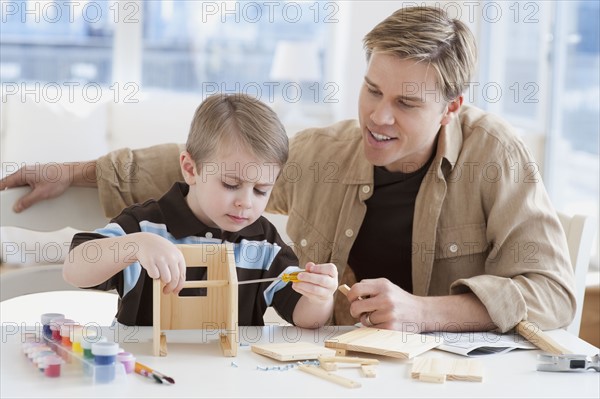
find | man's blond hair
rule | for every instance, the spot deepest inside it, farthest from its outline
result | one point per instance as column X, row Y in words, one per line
column 237, row 119
column 427, row 34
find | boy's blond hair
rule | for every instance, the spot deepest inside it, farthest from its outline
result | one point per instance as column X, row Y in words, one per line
column 237, row 119
column 427, row 34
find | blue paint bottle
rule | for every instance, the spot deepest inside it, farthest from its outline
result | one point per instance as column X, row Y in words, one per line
column 105, row 358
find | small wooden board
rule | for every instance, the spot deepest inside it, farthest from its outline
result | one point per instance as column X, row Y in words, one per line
column 396, row 344
column 431, row 369
column 292, row 351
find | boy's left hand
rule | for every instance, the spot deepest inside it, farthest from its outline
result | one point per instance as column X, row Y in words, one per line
column 318, row 282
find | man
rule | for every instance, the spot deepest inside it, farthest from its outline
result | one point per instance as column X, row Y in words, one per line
column 427, row 202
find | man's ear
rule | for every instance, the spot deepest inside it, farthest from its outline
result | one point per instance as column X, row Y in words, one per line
column 188, row 168
column 451, row 110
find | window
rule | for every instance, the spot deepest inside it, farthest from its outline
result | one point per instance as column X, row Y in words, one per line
column 540, row 69
column 186, row 46
column 231, row 46
column 56, row 42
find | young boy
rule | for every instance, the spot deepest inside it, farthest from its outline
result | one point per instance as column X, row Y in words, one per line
column 235, row 150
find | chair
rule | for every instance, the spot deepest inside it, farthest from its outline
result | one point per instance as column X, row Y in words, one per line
column 580, row 231
column 79, row 208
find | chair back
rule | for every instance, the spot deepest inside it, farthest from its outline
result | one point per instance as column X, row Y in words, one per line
column 580, row 231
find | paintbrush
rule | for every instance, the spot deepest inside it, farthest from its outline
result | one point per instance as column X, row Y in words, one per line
column 152, row 374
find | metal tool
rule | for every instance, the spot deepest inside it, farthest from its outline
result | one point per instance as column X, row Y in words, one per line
column 285, row 277
column 568, row 363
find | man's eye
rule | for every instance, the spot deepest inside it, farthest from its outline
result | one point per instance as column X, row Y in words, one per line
column 405, row 105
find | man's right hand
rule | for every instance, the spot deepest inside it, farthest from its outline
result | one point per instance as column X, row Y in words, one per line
column 49, row 180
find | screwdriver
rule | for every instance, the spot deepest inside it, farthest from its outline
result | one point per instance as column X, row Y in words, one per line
column 285, row 277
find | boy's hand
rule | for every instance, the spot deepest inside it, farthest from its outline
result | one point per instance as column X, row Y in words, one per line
column 163, row 260
column 318, row 282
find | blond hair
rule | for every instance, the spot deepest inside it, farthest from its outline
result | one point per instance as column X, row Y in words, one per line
column 237, row 119
column 428, row 34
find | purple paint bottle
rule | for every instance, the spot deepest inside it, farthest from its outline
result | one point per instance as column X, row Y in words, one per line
column 128, row 361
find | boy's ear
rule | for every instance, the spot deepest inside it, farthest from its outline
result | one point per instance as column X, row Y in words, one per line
column 188, row 168
column 453, row 107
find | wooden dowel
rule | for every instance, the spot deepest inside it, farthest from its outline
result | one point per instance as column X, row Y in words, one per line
column 347, row 359
column 205, row 283
column 536, row 336
column 319, row 372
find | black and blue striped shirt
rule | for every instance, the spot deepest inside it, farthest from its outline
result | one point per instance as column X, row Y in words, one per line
column 259, row 253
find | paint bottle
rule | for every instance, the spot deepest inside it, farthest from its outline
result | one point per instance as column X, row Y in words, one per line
column 105, row 358
column 87, row 340
column 55, row 327
column 65, row 333
column 128, row 361
column 35, row 350
column 52, row 366
column 28, row 346
column 76, row 335
column 39, row 359
column 46, row 319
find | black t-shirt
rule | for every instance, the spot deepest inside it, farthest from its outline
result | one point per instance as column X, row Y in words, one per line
column 384, row 243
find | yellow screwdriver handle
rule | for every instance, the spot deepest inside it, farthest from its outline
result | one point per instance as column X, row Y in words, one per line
column 290, row 277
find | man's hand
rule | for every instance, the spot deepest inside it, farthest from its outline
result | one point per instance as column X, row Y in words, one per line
column 382, row 304
column 49, row 180
column 385, row 305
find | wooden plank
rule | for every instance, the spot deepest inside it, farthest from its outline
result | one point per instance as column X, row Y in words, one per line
column 429, row 369
column 470, row 370
column 438, row 370
column 391, row 343
column 292, row 351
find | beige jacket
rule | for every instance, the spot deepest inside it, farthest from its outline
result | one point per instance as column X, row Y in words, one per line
column 483, row 221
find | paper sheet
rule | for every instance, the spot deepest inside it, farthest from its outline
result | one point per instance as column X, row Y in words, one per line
column 480, row 343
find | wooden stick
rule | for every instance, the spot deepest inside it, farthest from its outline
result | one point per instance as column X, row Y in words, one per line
column 319, row 372
column 368, row 371
column 205, row 283
column 347, row 359
column 536, row 336
column 344, row 289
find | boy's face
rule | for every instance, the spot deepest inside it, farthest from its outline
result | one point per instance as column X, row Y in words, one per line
column 230, row 191
column 401, row 109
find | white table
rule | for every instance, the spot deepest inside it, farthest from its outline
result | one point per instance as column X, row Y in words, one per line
column 196, row 363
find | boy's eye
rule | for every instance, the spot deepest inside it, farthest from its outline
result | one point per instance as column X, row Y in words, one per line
column 230, row 186
column 259, row 192
column 372, row 91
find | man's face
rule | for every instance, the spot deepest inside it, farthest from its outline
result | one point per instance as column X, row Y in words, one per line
column 401, row 109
